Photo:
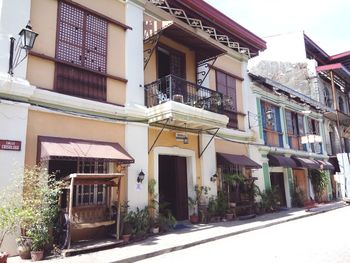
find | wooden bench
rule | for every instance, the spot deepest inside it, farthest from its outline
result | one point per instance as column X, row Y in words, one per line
column 91, row 217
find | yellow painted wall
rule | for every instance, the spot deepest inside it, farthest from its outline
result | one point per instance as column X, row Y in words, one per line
column 151, row 69
column 44, row 21
column 223, row 146
column 56, row 125
column 116, row 51
column 116, row 91
column 167, row 139
column 112, row 8
column 150, row 72
column 41, row 72
column 43, row 17
column 232, row 66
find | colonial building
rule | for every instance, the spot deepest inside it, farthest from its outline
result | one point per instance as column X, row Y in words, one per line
column 296, row 61
column 291, row 139
column 158, row 88
column 196, row 91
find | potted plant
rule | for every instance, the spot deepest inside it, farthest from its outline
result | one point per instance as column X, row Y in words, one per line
column 7, row 226
column 165, row 218
column 153, row 207
column 24, row 245
column 319, row 180
column 125, row 226
column 127, row 230
column 193, row 204
column 10, row 205
column 39, row 235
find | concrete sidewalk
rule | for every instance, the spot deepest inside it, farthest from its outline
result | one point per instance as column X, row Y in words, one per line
column 191, row 235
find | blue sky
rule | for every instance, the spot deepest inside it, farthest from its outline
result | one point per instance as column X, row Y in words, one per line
column 326, row 22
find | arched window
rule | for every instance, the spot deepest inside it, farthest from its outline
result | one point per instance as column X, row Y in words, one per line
column 341, row 104
column 327, row 97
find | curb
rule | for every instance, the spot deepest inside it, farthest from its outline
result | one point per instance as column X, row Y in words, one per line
column 199, row 242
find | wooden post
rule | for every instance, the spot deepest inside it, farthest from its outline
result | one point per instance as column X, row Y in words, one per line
column 118, row 208
column 70, row 212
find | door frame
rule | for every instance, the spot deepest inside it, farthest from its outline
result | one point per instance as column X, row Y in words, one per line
column 190, row 163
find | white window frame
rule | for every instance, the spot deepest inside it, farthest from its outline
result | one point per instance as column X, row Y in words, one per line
column 93, row 188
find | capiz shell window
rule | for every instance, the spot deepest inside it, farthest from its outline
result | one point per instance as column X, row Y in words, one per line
column 82, row 38
column 81, row 53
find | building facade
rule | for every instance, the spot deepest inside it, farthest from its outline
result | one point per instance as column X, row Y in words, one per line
column 291, row 140
column 124, row 87
column 296, row 61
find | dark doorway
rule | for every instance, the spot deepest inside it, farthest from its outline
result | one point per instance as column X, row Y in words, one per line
column 173, row 185
column 170, row 61
column 277, row 182
column 62, row 168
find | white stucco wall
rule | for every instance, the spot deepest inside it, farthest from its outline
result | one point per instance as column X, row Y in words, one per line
column 134, row 54
column 13, row 17
column 13, row 126
column 344, row 175
column 208, row 164
column 136, row 143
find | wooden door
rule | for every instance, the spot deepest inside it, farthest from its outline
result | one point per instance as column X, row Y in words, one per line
column 181, row 188
column 277, row 182
column 300, row 180
column 173, row 185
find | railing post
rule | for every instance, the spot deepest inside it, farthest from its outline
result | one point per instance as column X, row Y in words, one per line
column 170, row 87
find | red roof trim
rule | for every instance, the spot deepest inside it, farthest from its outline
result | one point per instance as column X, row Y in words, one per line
column 233, row 27
column 331, row 67
column 341, row 55
column 315, row 46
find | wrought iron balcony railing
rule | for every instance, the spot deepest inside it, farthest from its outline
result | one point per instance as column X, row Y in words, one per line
column 176, row 89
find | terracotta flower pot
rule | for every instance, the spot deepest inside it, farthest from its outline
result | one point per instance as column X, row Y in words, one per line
column 37, row 255
column 126, row 238
column 155, row 230
column 24, row 252
column 3, row 257
column 229, row 216
column 194, row 219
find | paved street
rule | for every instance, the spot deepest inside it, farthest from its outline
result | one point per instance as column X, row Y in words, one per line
column 316, row 239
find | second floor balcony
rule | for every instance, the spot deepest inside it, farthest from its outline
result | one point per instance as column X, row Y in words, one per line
column 177, row 89
column 191, row 103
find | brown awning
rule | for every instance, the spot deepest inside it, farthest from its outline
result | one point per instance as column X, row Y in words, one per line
column 242, row 160
column 306, row 163
column 325, row 165
column 53, row 148
column 279, row 160
column 205, row 48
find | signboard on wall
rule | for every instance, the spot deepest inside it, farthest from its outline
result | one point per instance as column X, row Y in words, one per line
column 8, row 145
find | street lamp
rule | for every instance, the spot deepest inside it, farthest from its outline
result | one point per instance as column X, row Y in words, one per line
column 140, row 177
column 25, row 42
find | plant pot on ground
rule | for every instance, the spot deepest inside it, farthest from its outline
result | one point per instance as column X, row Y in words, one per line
column 127, row 230
column 10, row 210
column 24, row 245
column 229, row 215
column 193, row 204
column 39, row 234
column 3, row 257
